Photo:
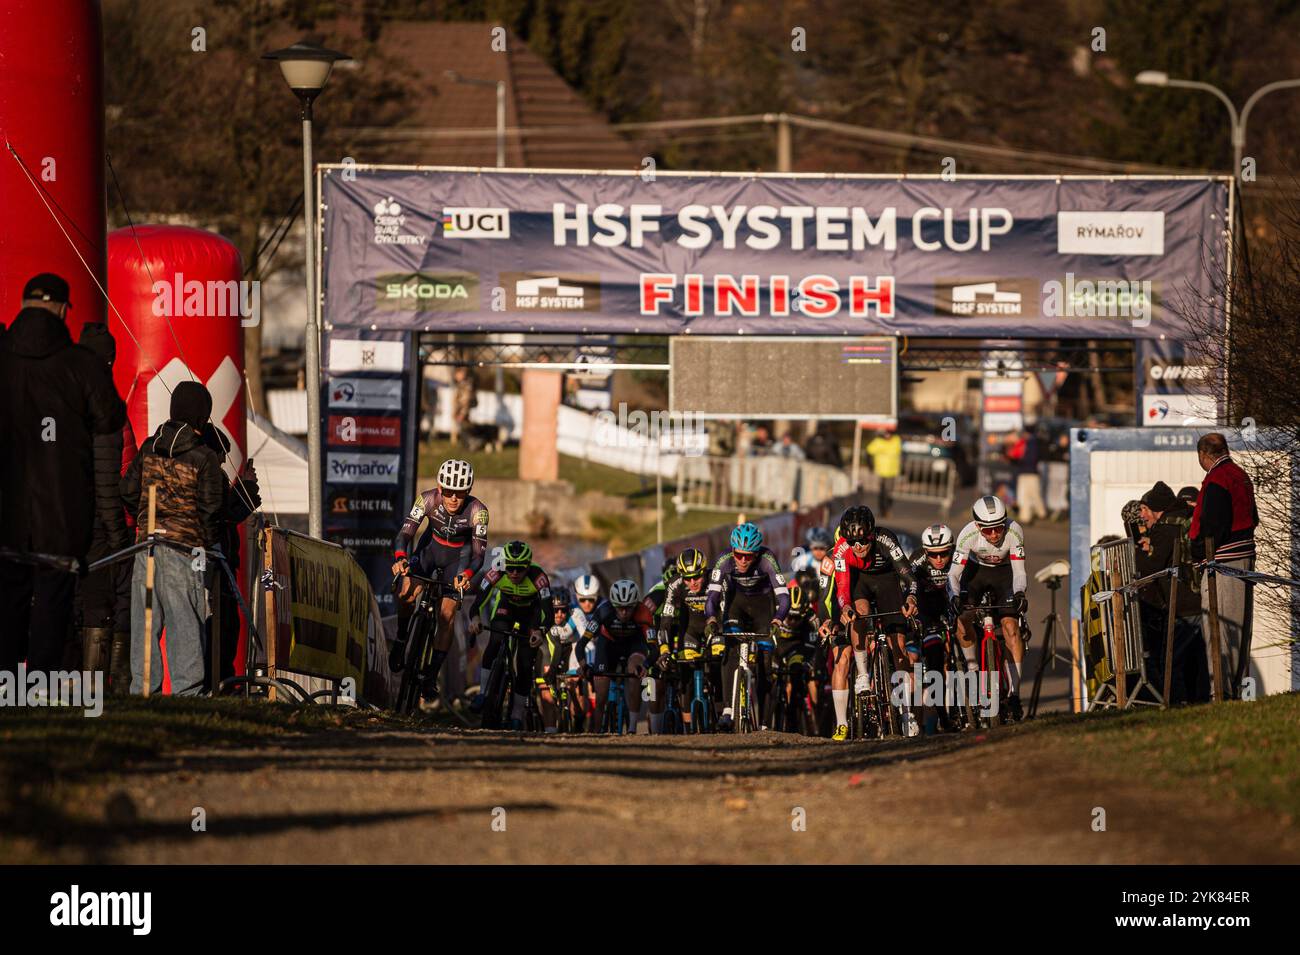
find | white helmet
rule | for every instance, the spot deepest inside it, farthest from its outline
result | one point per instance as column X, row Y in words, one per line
column 936, row 537
column 498, row 560
column 989, row 511
column 624, row 593
column 587, row 586
column 456, row 475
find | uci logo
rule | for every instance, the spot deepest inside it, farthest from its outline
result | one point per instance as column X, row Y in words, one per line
column 475, row 223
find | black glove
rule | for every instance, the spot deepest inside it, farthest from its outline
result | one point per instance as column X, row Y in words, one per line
column 711, row 627
column 397, row 656
column 957, row 603
column 1021, row 602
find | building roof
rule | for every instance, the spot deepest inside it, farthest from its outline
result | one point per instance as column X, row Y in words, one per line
column 423, row 52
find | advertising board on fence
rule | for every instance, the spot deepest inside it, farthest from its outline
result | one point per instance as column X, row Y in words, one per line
column 325, row 611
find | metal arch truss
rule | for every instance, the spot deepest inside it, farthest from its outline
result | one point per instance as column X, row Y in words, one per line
column 1069, row 355
column 650, row 353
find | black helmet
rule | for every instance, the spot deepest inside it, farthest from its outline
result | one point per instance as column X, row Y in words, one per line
column 858, row 525
column 560, row 598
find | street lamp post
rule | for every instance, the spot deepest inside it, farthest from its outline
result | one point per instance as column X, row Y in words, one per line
column 1160, row 78
column 306, row 67
column 500, row 86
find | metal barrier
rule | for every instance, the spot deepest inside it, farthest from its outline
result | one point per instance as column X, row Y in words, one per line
column 760, row 483
column 1121, row 628
column 928, row 480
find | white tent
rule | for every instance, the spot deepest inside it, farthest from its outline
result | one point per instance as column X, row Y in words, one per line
column 281, row 462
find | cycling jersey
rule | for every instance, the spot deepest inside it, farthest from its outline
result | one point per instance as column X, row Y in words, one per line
column 931, row 587
column 973, row 550
column 683, row 616
column 653, row 602
column 615, row 639
column 532, row 594
column 884, row 557
column 763, row 577
column 443, row 543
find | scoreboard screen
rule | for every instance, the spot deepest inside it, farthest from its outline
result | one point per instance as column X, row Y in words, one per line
column 777, row 377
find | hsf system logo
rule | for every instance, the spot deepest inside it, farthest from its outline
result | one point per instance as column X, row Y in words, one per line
column 983, row 297
column 556, row 292
column 468, row 222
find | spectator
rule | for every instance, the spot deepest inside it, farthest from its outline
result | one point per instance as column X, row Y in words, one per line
column 104, row 596
column 1024, row 454
column 190, row 496
column 822, row 449
column 1131, row 515
column 239, row 501
column 1165, row 544
column 788, row 449
column 1226, row 514
column 463, row 399
column 1189, row 495
column 54, row 397
column 722, row 445
column 761, row 441
column 886, row 452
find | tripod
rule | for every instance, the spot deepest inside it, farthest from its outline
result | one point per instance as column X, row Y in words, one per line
column 1051, row 653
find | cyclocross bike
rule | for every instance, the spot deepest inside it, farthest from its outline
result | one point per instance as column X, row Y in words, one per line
column 744, row 688
column 420, row 636
column 993, row 662
column 498, row 695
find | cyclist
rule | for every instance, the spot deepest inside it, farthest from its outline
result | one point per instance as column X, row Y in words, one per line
column 586, row 594
column 990, row 559
column 452, row 546
column 521, row 594
column 872, row 575
column 660, row 651
column 683, row 618
column 748, row 583
column 930, row 563
column 557, row 651
column 796, row 644
column 619, row 628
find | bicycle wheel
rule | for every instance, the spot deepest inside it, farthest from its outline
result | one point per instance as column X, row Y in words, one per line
column 408, row 692
column 494, row 693
column 881, row 672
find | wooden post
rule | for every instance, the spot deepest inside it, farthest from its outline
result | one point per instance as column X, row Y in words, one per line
column 1216, row 686
column 1169, row 640
column 148, row 593
column 271, row 633
column 1076, row 668
column 1119, row 634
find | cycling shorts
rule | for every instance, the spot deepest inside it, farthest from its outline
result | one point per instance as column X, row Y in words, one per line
column 794, row 652
column 445, row 558
column 613, row 655
column 995, row 581
column 752, row 613
column 884, row 593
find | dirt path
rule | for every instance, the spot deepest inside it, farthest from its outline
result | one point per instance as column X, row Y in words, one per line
column 412, row 796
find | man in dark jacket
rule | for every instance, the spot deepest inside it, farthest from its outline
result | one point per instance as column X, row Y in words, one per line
column 1226, row 514
column 104, row 597
column 1165, row 544
column 54, row 397
column 190, row 494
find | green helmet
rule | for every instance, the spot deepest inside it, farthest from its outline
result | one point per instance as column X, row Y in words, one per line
column 517, row 554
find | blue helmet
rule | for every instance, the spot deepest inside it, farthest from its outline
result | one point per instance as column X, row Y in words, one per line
column 747, row 537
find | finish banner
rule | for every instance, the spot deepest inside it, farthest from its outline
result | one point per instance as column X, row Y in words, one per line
column 518, row 251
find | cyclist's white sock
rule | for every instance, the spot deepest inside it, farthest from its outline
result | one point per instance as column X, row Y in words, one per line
column 517, row 706
column 633, row 718
column 969, row 654
column 1015, row 675
column 841, row 700
column 656, row 723
column 860, row 658
column 726, row 711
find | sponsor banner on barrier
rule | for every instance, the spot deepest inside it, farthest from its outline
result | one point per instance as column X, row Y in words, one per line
column 345, row 467
column 365, row 430
column 368, row 394
column 324, row 608
column 351, row 354
column 612, row 253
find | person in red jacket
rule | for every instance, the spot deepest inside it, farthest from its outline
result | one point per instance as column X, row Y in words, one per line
column 1226, row 515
